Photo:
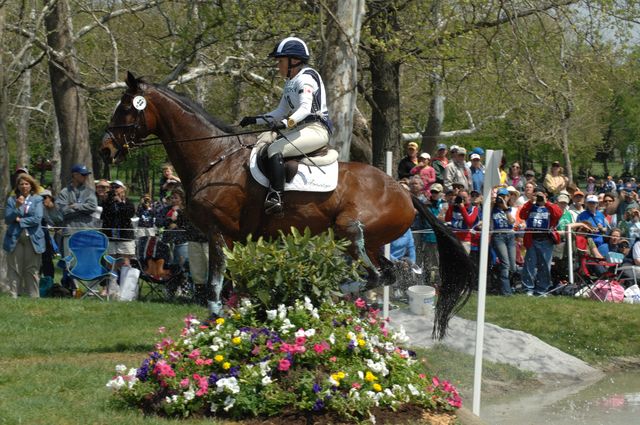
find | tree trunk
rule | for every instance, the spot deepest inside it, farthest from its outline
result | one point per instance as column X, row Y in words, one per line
column 56, row 161
column 4, row 148
column 22, row 130
column 385, row 80
column 432, row 132
column 564, row 129
column 339, row 69
column 70, row 105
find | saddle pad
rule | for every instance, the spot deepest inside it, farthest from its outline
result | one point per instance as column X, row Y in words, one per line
column 307, row 179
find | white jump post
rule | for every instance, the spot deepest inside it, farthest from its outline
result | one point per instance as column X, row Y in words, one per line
column 387, row 247
column 491, row 179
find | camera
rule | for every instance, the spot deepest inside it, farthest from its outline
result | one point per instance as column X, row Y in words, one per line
column 457, row 200
column 539, row 198
column 499, row 201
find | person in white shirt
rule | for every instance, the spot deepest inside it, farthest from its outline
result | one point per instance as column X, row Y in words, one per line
column 300, row 122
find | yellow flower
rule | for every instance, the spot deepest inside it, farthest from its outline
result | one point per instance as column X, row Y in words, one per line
column 219, row 358
column 341, row 375
column 370, row 377
column 336, row 378
column 220, row 321
column 361, row 342
column 226, row 365
column 237, row 316
column 236, row 340
column 377, row 387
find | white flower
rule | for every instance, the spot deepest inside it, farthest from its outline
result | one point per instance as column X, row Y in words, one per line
column 264, row 367
column 314, row 313
column 116, row 383
column 400, row 336
column 413, row 390
column 300, row 333
column 389, row 347
column 266, row 380
column 378, row 367
column 307, row 304
column 309, row 333
column 214, row 347
column 332, row 339
column 333, row 382
column 372, row 419
column 360, row 375
column 214, row 407
column 282, row 312
column 246, row 302
column 132, row 372
column 194, row 322
column 272, row 314
column 286, row 325
column 228, row 403
column 230, row 384
column 120, row 369
column 190, row 394
column 389, row 393
column 354, row 394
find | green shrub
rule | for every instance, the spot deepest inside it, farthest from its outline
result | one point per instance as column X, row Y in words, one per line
column 291, row 267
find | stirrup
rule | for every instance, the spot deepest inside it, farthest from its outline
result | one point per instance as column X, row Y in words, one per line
column 273, row 203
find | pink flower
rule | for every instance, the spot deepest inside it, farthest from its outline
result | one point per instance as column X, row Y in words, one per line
column 161, row 329
column 356, row 385
column 422, row 376
column 435, row 381
column 301, row 340
column 206, row 362
column 455, row 401
column 163, row 369
column 184, row 383
column 360, row 303
column 203, row 384
column 333, row 359
column 269, row 344
column 284, row 365
column 446, row 386
column 194, row 354
column 320, row 348
column 256, row 349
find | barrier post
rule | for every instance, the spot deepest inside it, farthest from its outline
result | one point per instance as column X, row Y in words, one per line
column 387, row 247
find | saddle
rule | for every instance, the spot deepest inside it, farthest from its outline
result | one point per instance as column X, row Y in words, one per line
column 319, row 157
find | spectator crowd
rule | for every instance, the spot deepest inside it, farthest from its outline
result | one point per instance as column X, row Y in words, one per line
column 531, row 214
column 40, row 225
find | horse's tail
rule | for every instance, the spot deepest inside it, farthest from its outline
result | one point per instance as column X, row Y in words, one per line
column 457, row 272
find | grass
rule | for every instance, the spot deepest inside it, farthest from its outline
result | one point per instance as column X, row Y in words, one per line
column 56, row 355
column 592, row 331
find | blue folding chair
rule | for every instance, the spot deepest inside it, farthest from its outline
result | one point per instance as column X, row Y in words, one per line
column 88, row 262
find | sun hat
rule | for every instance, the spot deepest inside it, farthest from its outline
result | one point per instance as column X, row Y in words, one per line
column 563, row 198
column 118, row 183
column 425, row 155
column 436, row 187
column 512, row 189
column 461, row 151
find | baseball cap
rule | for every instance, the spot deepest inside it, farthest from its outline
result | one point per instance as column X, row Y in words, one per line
column 46, row 192
column 103, row 182
column 412, row 145
column 425, row 155
column 474, row 191
column 529, row 173
column 578, row 193
column 461, row 150
column 118, row 183
column 442, row 146
column 502, row 191
column 21, row 169
column 475, row 156
column 540, row 189
column 592, row 198
column 563, row 198
column 555, row 164
column 80, row 169
column 477, row 150
column 436, row 187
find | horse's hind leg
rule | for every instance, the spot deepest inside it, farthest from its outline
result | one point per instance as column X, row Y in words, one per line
column 217, row 266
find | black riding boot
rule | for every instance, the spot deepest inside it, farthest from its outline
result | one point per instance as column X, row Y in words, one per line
column 273, row 203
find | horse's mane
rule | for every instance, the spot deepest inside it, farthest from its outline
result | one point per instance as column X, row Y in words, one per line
column 190, row 105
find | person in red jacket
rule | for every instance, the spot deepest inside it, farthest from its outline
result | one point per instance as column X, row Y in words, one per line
column 541, row 218
column 462, row 216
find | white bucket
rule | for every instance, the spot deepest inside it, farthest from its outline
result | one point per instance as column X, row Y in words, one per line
column 421, row 299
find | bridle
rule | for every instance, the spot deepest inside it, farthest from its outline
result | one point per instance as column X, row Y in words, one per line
column 131, row 134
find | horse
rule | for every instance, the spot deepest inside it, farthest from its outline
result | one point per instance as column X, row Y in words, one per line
column 368, row 207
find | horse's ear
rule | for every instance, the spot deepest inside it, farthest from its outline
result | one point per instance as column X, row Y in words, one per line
column 132, row 82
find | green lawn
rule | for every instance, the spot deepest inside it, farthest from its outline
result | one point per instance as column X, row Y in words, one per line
column 592, row 331
column 57, row 355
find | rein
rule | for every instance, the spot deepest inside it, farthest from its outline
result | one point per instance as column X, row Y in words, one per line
column 143, row 143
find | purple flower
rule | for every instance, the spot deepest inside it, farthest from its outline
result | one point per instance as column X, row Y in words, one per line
column 234, row 371
column 213, row 378
column 316, row 388
column 318, row 405
column 143, row 370
column 352, row 345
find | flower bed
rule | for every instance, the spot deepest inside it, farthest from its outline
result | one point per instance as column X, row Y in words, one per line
column 336, row 358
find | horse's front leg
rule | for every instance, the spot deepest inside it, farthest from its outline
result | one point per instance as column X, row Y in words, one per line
column 217, row 266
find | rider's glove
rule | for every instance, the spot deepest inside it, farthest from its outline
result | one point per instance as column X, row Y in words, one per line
column 248, row 121
column 278, row 125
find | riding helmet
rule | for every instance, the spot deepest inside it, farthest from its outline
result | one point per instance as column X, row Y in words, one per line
column 291, row 47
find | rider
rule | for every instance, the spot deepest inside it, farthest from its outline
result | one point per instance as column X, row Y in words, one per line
column 300, row 123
